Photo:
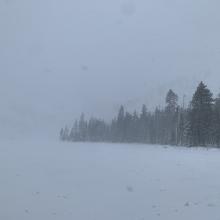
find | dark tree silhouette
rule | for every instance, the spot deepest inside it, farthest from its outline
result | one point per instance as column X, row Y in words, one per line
column 197, row 125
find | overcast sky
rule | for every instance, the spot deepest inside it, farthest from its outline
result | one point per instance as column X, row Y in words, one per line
column 61, row 57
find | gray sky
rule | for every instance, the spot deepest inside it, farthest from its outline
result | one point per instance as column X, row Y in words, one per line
column 59, row 58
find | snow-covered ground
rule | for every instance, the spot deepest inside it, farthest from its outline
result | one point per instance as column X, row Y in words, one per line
column 66, row 181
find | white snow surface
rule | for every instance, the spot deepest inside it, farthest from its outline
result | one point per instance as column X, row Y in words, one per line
column 89, row 181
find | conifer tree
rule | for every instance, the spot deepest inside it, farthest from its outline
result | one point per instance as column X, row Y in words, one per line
column 82, row 128
column 216, row 122
column 172, row 117
column 120, row 124
column 144, row 130
column 62, row 134
column 200, row 116
column 171, row 101
column 66, row 134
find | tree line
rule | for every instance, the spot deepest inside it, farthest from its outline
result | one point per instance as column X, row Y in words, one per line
column 197, row 124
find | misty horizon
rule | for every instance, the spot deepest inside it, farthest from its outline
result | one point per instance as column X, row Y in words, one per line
column 59, row 59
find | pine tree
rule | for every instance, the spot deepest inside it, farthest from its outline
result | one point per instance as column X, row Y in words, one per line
column 200, row 116
column 66, row 134
column 82, row 128
column 182, row 126
column 73, row 136
column 216, row 122
column 172, row 116
column 135, row 127
column 62, row 134
column 128, row 123
column 120, row 125
column 144, row 131
column 171, row 101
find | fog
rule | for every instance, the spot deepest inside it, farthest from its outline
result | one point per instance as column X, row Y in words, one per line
column 59, row 58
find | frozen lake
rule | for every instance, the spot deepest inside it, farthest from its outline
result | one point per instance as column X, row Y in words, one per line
column 52, row 180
